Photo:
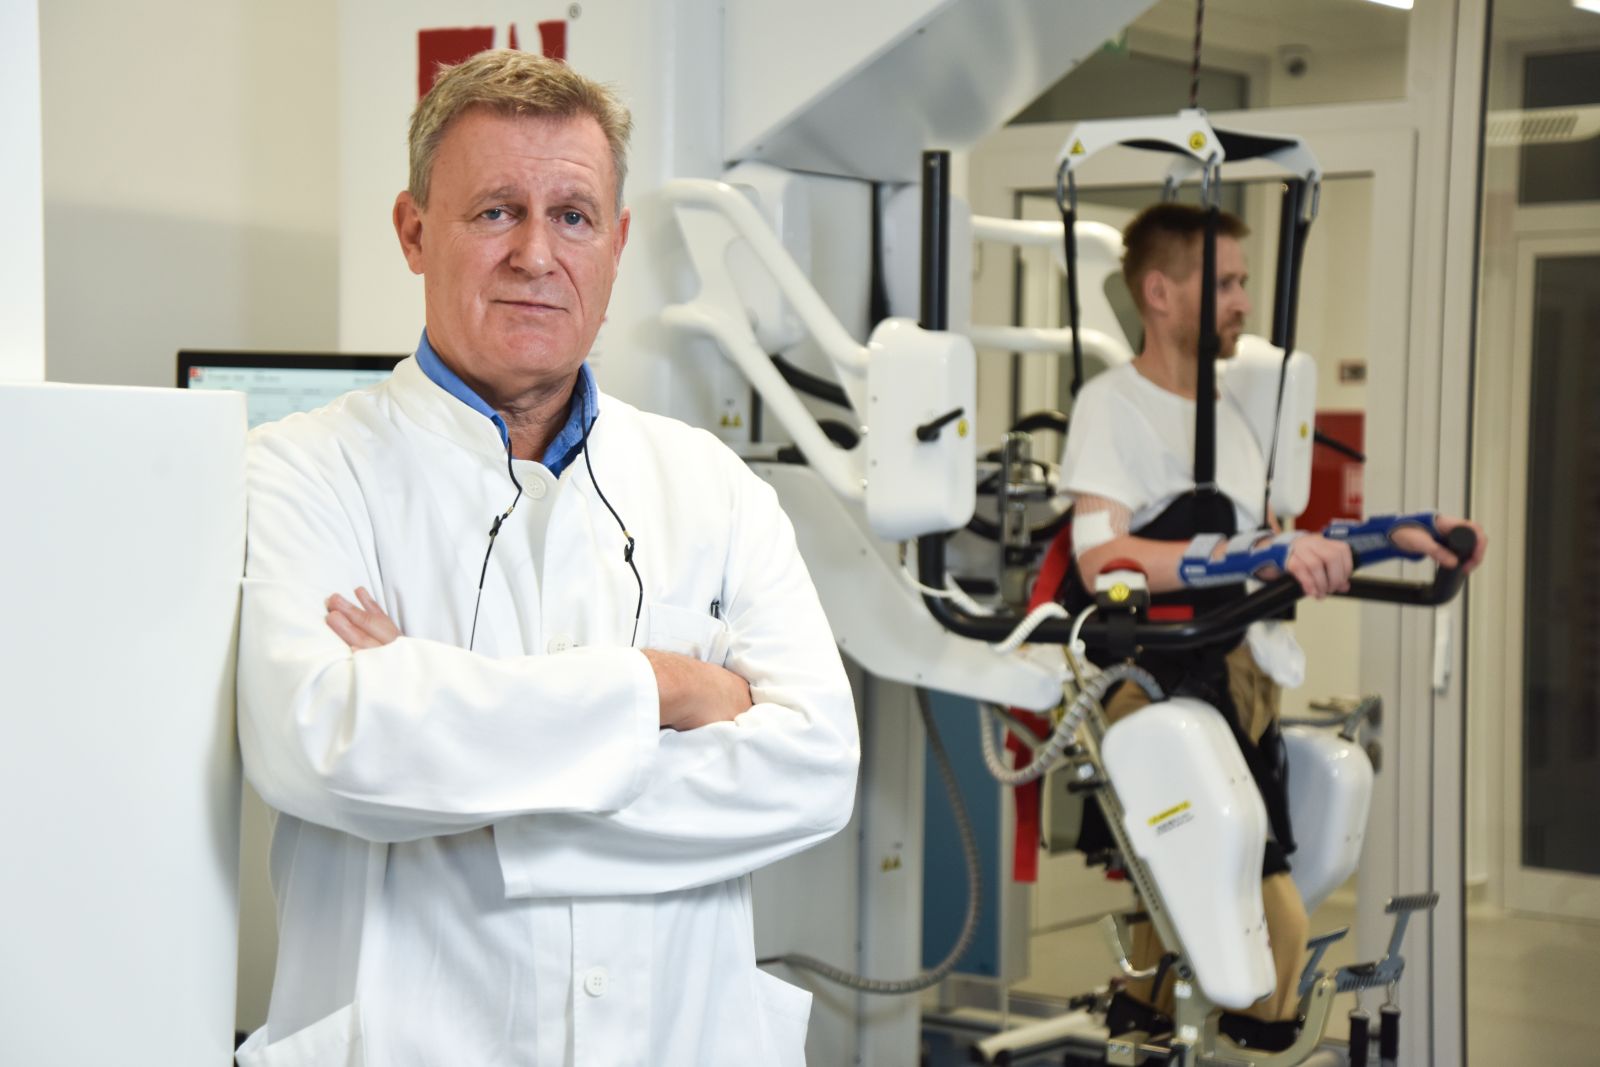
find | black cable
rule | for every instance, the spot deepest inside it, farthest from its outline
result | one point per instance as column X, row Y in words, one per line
column 627, row 552
column 877, row 284
column 1194, row 66
column 1338, row 446
column 494, row 531
column 970, row 861
column 803, row 381
column 1033, row 422
column 989, row 530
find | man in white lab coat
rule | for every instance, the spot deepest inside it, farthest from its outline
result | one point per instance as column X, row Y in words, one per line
column 526, row 736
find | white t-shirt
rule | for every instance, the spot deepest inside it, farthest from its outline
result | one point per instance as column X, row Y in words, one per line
column 1132, row 441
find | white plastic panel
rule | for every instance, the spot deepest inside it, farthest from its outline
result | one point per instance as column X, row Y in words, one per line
column 915, row 379
column 1251, row 379
column 1194, row 816
column 119, row 772
column 1330, row 794
column 902, row 257
column 842, row 87
column 780, row 196
column 879, row 619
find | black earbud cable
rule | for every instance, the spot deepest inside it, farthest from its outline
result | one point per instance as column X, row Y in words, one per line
column 494, row 531
column 627, row 551
column 499, row 520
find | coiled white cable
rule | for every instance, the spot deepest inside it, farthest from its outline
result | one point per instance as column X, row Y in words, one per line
column 1093, row 692
column 1030, row 622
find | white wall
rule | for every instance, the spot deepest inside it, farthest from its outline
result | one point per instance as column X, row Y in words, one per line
column 22, row 266
column 1338, row 77
column 189, row 182
column 190, row 200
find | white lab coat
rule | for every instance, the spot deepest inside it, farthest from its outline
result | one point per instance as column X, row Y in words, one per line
column 497, row 857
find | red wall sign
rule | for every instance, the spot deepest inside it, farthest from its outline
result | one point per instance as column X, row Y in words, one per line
column 445, row 47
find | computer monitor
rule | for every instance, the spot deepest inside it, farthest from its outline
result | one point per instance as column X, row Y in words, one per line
column 276, row 384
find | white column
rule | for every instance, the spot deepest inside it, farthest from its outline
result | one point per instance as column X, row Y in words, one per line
column 21, row 190
column 120, row 558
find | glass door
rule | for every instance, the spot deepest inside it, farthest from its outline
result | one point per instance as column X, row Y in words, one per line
column 1553, row 746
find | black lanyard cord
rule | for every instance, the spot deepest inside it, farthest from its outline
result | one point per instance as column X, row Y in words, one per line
column 494, row 531
column 627, row 551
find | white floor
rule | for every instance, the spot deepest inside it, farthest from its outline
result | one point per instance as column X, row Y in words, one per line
column 1533, row 985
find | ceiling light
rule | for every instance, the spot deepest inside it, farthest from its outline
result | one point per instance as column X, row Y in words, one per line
column 1587, row 5
column 1404, row 5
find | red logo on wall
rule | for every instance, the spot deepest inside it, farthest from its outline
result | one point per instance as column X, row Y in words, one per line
column 440, row 48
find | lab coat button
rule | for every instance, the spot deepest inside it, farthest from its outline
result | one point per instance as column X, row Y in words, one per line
column 536, row 489
column 559, row 643
column 595, row 981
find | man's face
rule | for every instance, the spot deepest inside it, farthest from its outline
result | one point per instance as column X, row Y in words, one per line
column 1233, row 303
column 518, row 248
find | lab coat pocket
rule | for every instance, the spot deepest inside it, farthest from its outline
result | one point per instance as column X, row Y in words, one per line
column 690, row 633
column 332, row 1041
column 785, row 1016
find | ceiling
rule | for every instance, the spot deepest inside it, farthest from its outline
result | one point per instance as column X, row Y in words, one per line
column 1264, row 26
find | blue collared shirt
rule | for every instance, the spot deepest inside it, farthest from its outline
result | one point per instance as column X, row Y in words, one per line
column 564, row 449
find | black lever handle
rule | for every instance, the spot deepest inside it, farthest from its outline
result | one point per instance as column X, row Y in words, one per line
column 929, row 431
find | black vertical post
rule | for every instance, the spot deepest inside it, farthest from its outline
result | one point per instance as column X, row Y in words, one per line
column 935, row 315
column 1069, row 231
column 935, row 240
column 1205, row 400
column 1283, row 288
column 1302, row 230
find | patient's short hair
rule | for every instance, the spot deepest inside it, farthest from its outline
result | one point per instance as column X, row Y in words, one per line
column 1166, row 237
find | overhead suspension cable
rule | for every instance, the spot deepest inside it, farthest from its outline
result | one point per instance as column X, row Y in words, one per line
column 1194, row 66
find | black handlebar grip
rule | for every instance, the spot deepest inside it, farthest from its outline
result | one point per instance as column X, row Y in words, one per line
column 1463, row 541
column 1360, row 1038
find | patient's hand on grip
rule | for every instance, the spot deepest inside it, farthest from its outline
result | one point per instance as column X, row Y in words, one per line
column 1419, row 542
column 694, row 693
column 1322, row 566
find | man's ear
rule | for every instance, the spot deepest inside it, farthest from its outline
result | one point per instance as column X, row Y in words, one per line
column 408, row 227
column 1157, row 290
column 622, row 236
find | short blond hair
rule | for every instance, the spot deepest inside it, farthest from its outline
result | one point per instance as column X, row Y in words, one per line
column 511, row 82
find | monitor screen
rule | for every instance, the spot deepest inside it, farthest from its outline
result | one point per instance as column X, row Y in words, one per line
column 279, row 384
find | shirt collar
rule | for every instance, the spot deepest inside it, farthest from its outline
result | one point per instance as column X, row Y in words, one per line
column 581, row 414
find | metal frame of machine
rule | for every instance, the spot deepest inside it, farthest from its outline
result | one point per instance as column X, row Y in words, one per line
column 713, row 216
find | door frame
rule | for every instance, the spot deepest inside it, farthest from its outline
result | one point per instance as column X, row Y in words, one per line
column 1534, row 890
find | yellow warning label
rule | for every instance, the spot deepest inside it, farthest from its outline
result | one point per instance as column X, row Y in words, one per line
column 1120, row 592
column 1169, row 813
column 962, row 428
column 1197, row 140
column 1305, row 431
column 1077, row 148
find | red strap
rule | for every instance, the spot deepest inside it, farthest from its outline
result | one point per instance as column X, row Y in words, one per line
column 1171, row 612
column 1053, row 571
column 1029, row 798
